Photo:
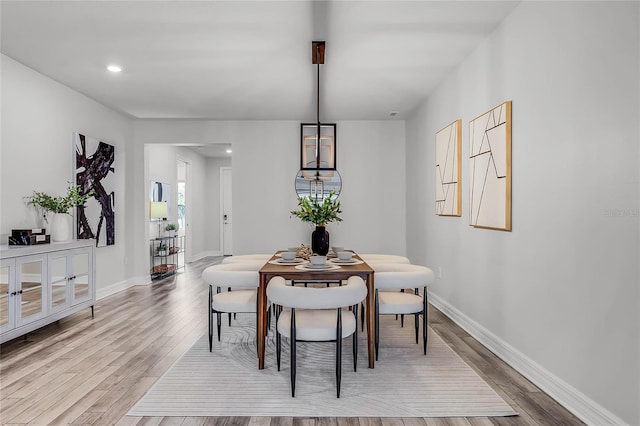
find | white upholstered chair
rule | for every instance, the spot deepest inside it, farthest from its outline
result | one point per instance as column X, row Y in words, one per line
column 389, row 301
column 244, row 258
column 373, row 258
column 240, row 280
column 316, row 314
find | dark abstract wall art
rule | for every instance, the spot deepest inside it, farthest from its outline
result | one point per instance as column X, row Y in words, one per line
column 95, row 171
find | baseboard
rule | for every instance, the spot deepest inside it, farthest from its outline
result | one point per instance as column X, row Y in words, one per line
column 202, row 255
column 103, row 292
column 572, row 399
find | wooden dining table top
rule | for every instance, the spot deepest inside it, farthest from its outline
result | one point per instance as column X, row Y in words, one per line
column 355, row 269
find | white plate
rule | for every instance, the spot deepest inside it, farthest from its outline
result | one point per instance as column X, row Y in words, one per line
column 310, row 267
column 344, row 261
column 295, row 261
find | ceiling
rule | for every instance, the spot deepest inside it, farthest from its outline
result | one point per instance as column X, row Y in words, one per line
column 248, row 60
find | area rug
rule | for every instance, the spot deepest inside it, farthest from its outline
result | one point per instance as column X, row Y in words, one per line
column 404, row 382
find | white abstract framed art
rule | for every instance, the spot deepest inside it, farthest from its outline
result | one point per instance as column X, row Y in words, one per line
column 490, row 169
column 449, row 170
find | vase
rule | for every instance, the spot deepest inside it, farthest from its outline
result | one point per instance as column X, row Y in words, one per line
column 320, row 241
column 59, row 227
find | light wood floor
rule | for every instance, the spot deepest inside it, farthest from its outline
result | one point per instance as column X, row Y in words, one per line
column 84, row 371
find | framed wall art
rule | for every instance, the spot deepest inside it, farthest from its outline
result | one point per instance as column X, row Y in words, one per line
column 94, row 170
column 490, row 169
column 449, row 170
column 314, row 154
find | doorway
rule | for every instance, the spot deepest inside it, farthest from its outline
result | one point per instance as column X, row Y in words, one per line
column 182, row 214
column 226, row 212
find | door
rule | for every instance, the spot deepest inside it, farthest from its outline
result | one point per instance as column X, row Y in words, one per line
column 226, row 209
column 81, row 281
column 59, row 273
column 184, row 213
column 31, row 276
column 7, row 287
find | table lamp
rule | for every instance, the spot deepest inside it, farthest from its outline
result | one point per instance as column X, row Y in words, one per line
column 158, row 211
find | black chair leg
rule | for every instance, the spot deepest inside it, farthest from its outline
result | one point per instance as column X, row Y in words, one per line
column 377, row 323
column 268, row 319
column 424, row 321
column 362, row 317
column 229, row 289
column 219, row 324
column 417, row 321
column 278, row 348
column 293, row 353
column 210, row 318
column 355, row 340
column 339, row 351
column 402, row 315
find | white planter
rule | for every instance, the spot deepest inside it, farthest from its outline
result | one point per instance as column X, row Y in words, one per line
column 60, row 229
column 171, row 233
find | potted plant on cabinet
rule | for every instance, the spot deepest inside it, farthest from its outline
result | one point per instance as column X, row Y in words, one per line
column 59, row 207
column 319, row 213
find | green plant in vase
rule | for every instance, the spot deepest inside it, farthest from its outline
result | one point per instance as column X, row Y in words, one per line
column 59, row 206
column 319, row 213
column 162, row 249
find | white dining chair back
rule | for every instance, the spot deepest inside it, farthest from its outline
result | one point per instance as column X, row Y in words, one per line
column 371, row 258
column 392, row 297
column 235, row 292
column 247, row 258
column 316, row 314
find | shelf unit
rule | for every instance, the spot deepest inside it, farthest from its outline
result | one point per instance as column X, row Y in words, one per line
column 166, row 256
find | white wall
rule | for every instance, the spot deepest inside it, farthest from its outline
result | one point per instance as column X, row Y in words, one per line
column 266, row 157
column 39, row 117
column 560, row 293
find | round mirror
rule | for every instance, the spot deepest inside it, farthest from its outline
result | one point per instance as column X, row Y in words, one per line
column 318, row 184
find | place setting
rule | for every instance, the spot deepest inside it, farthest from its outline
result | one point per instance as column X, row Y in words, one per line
column 288, row 258
column 345, row 258
column 318, row 263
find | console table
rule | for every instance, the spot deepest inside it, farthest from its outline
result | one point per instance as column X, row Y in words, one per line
column 43, row 283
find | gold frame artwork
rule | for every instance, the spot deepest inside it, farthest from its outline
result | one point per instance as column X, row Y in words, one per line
column 449, row 170
column 490, row 169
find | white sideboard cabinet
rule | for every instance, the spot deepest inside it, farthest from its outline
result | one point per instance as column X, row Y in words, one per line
column 43, row 283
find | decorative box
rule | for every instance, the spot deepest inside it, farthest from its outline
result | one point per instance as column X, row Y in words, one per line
column 28, row 237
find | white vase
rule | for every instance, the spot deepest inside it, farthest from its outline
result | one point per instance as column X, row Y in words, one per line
column 60, row 227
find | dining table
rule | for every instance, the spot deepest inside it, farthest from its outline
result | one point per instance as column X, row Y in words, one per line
column 298, row 272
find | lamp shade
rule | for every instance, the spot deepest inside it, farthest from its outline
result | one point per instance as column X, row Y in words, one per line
column 158, row 210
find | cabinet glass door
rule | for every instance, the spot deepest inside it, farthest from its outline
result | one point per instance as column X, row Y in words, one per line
column 6, row 279
column 81, row 288
column 58, row 276
column 30, row 289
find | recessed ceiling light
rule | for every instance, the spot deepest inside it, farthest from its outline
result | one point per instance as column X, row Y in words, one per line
column 114, row 68
column 229, row 151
